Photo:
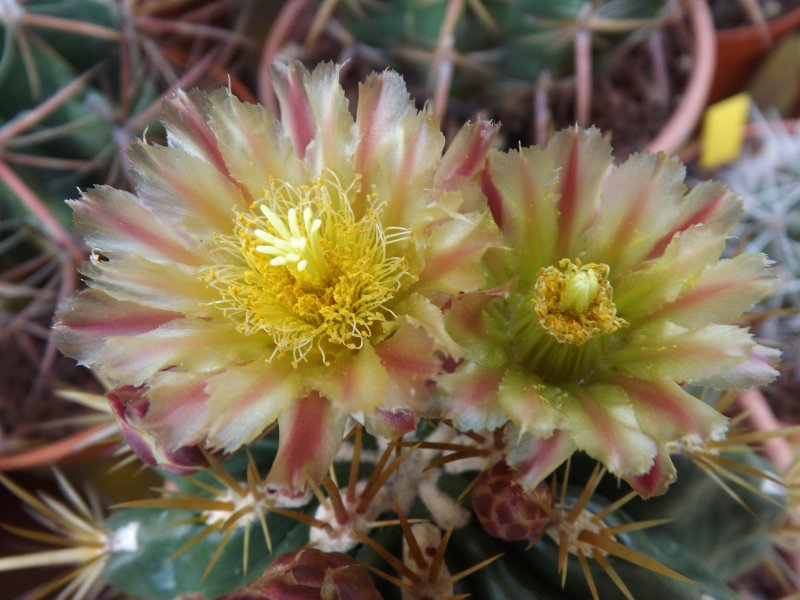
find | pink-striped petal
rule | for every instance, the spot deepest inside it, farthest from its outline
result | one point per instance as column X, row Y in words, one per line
column 534, row 458
column 296, row 116
column 115, row 223
column 471, row 397
column 245, row 400
column 466, row 156
column 252, row 144
column 356, row 383
column 661, row 281
column 311, row 433
column 710, row 203
column 722, row 293
column 656, row 481
column 583, row 158
column 601, row 420
column 407, row 165
column 452, row 257
column 177, row 414
column 185, row 191
column 333, row 123
column 383, row 104
column 409, row 357
column 185, row 118
column 87, row 320
column 666, row 412
column 183, row 344
column 525, row 182
column 176, row 287
column 641, row 200
column 668, row 351
column 530, row 403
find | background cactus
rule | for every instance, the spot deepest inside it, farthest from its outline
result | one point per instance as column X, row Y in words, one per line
column 405, row 511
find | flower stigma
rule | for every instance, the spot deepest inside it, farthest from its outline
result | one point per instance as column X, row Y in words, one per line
column 574, row 302
column 303, row 268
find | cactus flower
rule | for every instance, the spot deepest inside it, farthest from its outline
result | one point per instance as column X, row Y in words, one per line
column 286, row 270
column 618, row 298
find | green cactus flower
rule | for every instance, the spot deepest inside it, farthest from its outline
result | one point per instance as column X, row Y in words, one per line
column 619, row 298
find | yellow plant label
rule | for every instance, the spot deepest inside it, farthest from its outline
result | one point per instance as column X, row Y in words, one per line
column 723, row 131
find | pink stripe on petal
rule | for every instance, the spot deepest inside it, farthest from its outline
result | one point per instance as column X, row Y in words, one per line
column 187, row 108
column 662, row 402
column 132, row 227
column 701, row 215
column 656, row 481
column 296, row 113
column 466, row 155
column 533, row 459
column 310, row 436
column 369, row 107
column 567, row 203
column 493, row 197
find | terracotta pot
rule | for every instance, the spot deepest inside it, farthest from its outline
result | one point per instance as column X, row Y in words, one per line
column 740, row 50
column 687, row 115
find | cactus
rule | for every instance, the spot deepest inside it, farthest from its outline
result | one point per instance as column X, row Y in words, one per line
column 425, row 435
column 501, row 54
column 313, row 332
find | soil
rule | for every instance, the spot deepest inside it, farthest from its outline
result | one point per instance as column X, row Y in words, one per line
column 729, row 14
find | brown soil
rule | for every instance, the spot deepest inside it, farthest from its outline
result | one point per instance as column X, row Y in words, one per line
column 729, row 14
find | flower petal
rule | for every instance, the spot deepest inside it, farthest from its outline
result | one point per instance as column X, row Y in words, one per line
column 710, row 203
column 421, row 312
column 656, row 481
column 453, row 253
column 185, row 119
column 640, row 202
column 661, row 281
column 178, row 412
column 722, row 293
column 114, row 222
column 532, row 405
column 583, row 158
column 383, row 104
column 534, row 458
column 252, row 143
column 244, row 401
column 406, row 165
column 466, row 155
column 333, row 124
column 601, row 421
column 176, row 287
column 182, row 344
column 758, row 369
column 668, row 351
column 87, row 320
column 470, row 394
column 357, row 383
column 296, row 117
column 666, row 412
column 409, row 357
column 185, row 191
column 526, row 185
column 310, row 435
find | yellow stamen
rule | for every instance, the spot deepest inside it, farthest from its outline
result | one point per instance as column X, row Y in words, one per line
column 303, row 268
column 574, row 302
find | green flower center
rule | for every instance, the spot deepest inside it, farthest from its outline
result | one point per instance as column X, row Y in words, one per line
column 574, row 302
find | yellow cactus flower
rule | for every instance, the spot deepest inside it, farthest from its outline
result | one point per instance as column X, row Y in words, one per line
column 618, row 298
column 290, row 270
